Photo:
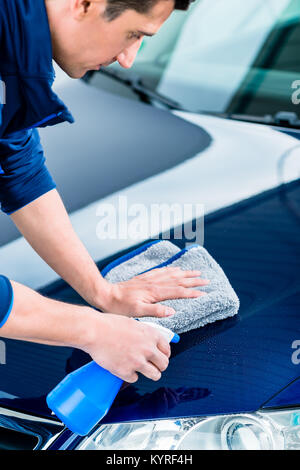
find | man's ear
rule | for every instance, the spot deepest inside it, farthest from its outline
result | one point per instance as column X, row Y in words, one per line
column 82, row 9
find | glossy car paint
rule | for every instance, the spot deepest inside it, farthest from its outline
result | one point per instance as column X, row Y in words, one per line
column 219, row 162
column 252, row 230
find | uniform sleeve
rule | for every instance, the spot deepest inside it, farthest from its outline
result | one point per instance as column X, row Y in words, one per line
column 23, row 174
column 6, row 299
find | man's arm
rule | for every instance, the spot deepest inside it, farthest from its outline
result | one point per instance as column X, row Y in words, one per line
column 47, row 227
column 28, row 195
column 121, row 345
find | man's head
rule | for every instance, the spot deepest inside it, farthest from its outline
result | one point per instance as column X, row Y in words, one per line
column 87, row 34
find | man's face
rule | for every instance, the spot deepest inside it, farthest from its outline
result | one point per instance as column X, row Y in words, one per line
column 83, row 39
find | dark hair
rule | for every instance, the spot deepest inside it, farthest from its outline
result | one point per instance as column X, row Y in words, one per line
column 116, row 7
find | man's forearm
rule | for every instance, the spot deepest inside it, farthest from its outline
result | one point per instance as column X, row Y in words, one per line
column 121, row 345
column 46, row 226
column 38, row 319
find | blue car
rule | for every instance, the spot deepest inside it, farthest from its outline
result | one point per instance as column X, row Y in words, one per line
column 208, row 115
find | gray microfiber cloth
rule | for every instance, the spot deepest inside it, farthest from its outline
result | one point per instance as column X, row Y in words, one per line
column 220, row 302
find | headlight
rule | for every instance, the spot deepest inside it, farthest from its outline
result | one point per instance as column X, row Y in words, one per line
column 258, row 431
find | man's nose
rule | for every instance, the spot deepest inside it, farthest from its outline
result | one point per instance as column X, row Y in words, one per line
column 128, row 55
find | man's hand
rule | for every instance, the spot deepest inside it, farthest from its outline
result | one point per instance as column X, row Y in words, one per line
column 125, row 346
column 138, row 297
column 61, row 248
column 121, row 345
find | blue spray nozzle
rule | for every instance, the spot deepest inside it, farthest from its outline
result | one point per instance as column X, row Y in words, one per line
column 175, row 339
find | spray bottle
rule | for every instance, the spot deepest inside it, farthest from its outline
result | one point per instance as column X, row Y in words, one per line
column 85, row 396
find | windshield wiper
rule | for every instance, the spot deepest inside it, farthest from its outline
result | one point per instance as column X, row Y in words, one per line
column 280, row 119
column 136, row 84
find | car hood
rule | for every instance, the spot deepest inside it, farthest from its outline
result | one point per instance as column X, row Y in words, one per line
column 251, row 229
column 234, row 365
column 179, row 158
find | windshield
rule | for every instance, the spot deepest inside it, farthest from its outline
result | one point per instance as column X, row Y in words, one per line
column 226, row 56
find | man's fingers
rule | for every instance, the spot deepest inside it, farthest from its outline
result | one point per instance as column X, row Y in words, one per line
column 155, row 310
column 164, row 347
column 131, row 378
column 162, row 271
column 191, row 273
column 184, row 282
column 170, row 272
column 195, row 282
column 168, row 293
column 176, row 277
column 159, row 359
column 149, row 370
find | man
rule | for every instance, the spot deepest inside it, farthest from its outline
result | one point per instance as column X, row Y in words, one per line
column 79, row 35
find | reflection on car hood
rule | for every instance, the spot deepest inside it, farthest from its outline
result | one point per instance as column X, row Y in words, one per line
column 235, row 365
column 184, row 159
column 230, row 366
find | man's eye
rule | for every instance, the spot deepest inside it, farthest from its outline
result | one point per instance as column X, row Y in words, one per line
column 135, row 36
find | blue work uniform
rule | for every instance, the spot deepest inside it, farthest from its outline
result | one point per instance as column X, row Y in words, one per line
column 27, row 102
